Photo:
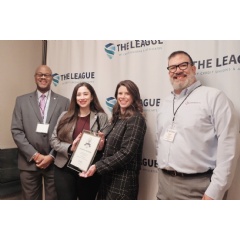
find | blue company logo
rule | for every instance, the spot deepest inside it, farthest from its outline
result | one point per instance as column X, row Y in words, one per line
column 110, row 50
column 110, row 102
column 56, row 79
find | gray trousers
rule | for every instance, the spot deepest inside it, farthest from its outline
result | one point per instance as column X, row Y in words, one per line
column 181, row 188
column 32, row 184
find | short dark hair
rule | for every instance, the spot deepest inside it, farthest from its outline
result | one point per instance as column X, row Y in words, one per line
column 173, row 54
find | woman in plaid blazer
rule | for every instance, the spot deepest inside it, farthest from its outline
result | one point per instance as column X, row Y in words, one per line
column 121, row 161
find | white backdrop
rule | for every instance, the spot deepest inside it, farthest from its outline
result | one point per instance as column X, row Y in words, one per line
column 104, row 63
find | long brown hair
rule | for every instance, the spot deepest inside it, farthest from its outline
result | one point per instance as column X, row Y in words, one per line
column 136, row 105
column 69, row 119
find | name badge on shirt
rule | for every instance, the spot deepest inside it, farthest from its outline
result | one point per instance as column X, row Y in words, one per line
column 42, row 128
column 169, row 135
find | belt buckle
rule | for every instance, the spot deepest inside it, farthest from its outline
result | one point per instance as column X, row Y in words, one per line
column 174, row 173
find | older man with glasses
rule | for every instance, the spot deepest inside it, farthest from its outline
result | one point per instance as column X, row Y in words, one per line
column 34, row 118
column 197, row 137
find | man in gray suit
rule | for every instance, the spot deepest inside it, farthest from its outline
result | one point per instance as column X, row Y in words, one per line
column 34, row 118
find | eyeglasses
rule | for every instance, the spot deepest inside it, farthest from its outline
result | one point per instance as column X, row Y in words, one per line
column 47, row 75
column 181, row 66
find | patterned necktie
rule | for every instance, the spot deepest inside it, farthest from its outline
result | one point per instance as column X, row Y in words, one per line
column 42, row 104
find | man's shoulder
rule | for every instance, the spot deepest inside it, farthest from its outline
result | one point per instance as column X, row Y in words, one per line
column 59, row 96
column 168, row 97
column 209, row 89
column 26, row 95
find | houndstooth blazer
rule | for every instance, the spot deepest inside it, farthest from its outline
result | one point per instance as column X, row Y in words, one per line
column 121, row 160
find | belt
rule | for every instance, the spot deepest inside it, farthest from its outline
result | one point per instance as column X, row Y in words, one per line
column 175, row 173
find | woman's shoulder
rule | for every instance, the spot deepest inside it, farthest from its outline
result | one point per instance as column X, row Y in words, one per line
column 101, row 114
column 137, row 116
column 62, row 114
column 137, row 122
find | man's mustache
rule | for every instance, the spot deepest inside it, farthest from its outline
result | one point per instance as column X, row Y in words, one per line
column 180, row 74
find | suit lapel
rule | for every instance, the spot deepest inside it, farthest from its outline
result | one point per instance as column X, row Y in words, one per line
column 110, row 128
column 52, row 105
column 93, row 118
column 34, row 102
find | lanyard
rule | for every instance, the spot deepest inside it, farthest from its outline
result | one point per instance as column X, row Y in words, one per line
column 174, row 113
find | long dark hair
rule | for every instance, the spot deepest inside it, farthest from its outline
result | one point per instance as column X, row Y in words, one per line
column 136, row 105
column 69, row 119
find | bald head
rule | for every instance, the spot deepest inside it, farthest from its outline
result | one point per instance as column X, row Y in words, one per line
column 45, row 67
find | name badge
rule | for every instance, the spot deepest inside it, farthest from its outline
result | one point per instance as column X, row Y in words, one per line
column 42, row 128
column 169, row 135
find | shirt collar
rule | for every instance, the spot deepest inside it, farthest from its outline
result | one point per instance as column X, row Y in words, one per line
column 47, row 94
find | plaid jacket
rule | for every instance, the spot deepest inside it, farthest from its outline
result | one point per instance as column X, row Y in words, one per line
column 121, row 160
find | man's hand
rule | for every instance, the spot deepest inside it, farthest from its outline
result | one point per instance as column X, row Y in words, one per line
column 206, row 197
column 43, row 161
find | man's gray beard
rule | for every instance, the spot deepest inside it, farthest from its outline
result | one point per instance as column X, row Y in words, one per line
column 182, row 85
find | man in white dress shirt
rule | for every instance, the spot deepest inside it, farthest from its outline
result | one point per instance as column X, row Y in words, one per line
column 197, row 137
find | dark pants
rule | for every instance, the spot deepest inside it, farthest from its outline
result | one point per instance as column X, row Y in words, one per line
column 32, row 184
column 70, row 186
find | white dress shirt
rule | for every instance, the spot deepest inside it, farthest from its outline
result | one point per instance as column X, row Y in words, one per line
column 206, row 136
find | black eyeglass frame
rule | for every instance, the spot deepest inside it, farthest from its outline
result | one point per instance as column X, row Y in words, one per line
column 47, row 75
column 179, row 66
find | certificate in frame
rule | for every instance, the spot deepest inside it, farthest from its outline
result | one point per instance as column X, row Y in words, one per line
column 86, row 150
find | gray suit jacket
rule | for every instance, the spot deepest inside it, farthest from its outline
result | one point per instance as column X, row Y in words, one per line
column 62, row 147
column 26, row 116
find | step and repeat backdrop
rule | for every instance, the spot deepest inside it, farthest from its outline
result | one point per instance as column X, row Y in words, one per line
column 105, row 63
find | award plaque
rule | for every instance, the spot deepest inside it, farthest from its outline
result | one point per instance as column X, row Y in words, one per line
column 82, row 158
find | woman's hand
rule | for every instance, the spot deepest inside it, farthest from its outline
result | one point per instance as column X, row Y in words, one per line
column 102, row 141
column 89, row 172
column 75, row 142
